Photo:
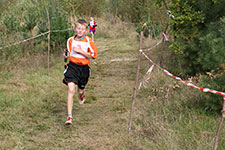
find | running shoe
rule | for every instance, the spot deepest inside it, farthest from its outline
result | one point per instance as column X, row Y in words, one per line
column 69, row 121
column 81, row 99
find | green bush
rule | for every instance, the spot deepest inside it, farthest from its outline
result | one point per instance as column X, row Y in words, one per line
column 216, row 82
column 58, row 21
column 211, row 53
column 199, row 35
column 11, row 23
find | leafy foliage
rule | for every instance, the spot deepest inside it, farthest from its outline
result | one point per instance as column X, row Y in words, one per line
column 33, row 18
column 11, row 23
column 79, row 7
column 198, row 43
column 136, row 11
column 58, row 21
column 214, row 102
column 212, row 51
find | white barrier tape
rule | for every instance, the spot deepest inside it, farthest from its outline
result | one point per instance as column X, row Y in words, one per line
column 140, row 86
column 170, row 14
column 25, row 40
column 194, row 86
column 150, row 69
column 178, row 78
column 167, row 93
column 212, row 91
column 186, row 83
column 144, row 82
column 165, row 36
column 147, row 77
column 61, row 30
column 141, row 51
column 153, row 46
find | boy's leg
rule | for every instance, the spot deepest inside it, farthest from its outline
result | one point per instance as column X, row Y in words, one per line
column 71, row 93
column 92, row 35
column 81, row 95
column 85, row 73
column 80, row 91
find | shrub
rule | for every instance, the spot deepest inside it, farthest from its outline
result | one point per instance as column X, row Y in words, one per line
column 199, row 35
column 58, row 21
column 216, row 82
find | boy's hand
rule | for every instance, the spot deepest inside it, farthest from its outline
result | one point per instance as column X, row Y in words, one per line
column 80, row 51
column 65, row 55
column 77, row 50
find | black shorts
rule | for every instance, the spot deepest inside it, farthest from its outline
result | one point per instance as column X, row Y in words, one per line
column 78, row 74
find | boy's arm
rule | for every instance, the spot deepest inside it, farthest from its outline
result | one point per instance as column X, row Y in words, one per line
column 66, row 54
column 93, row 49
column 86, row 54
column 95, row 24
column 68, row 49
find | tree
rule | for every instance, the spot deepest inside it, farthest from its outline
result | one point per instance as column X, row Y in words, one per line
column 137, row 11
column 82, row 8
column 198, row 44
column 58, row 21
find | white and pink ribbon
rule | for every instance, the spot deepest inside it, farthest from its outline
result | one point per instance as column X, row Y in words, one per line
column 184, row 82
column 28, row 39
column 147, row 77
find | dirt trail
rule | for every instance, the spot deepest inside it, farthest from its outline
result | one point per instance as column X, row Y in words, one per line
column 101, row 123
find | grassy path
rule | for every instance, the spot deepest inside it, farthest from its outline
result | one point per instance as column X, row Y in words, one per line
column 102, row 122
column 36, row 104
column 33, row 107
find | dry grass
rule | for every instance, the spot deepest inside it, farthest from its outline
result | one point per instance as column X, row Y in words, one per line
column 116, row 30
column 33, row 105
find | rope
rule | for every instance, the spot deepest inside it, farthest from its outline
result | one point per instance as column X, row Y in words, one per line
column 25, row 40
column 184, row 82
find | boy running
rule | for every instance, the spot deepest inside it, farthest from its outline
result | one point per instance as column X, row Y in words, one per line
column 81, row 48
column 92, row 24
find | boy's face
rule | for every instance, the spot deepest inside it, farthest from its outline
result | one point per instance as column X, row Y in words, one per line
column 81, row 30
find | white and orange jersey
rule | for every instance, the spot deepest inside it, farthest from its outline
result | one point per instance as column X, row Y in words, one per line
column 86, row 44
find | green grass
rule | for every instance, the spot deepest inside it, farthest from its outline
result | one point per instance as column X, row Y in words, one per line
column 33, row 107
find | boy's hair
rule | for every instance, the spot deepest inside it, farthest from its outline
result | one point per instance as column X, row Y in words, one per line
column 82, row 22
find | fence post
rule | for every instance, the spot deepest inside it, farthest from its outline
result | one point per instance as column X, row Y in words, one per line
column 48, row 37
column 219, row 128
column 136, row 83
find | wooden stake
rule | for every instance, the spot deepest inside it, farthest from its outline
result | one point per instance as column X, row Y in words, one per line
column 136, row 83
column 219, row 128
column 49, row 34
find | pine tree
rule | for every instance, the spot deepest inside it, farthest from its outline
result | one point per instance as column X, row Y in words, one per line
column 197, row 26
